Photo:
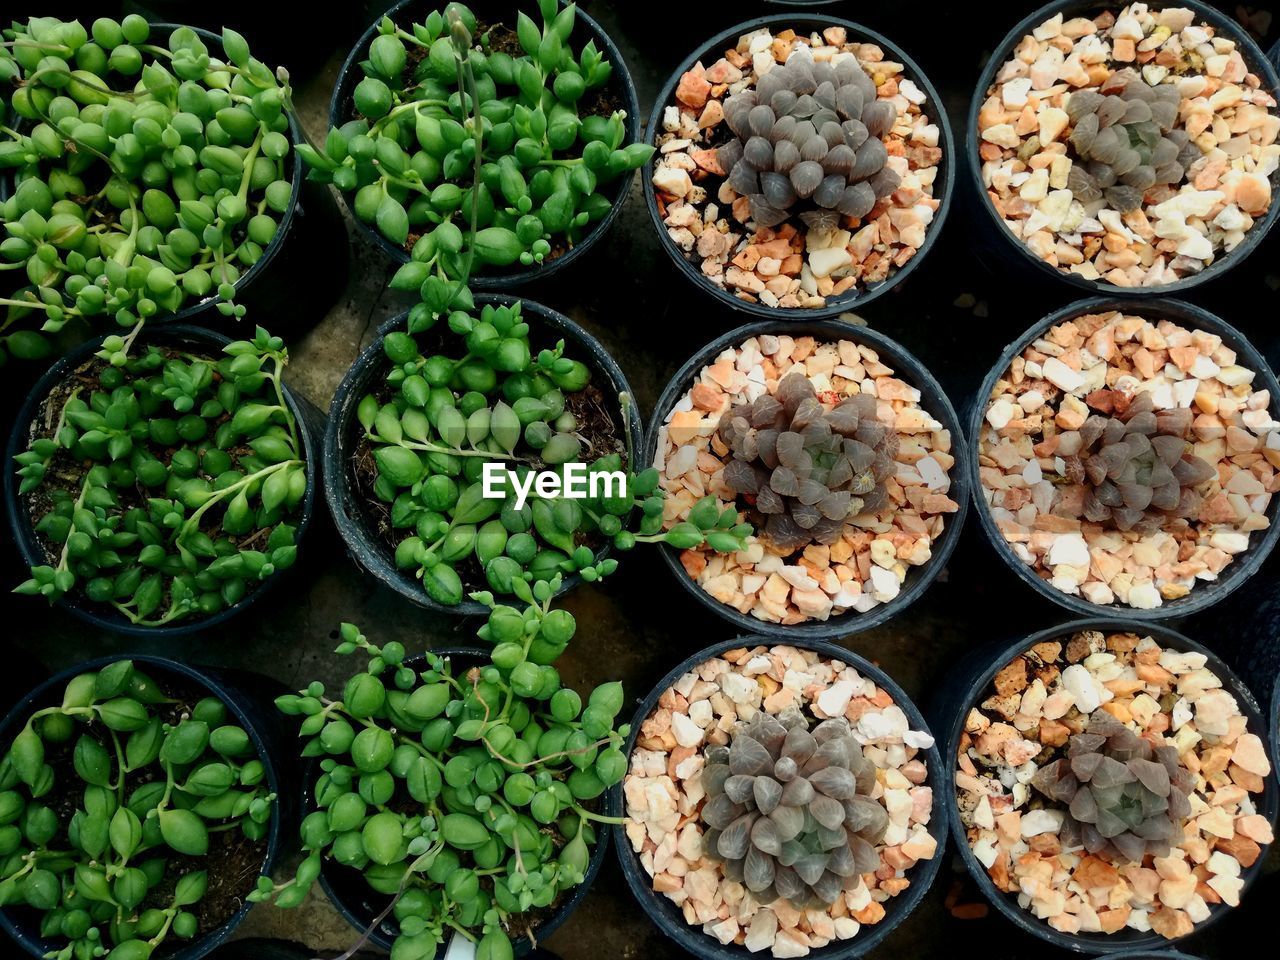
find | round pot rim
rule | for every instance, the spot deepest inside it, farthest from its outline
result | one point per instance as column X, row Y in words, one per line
column 1275, row 725
column 897, row 909
column 934, row 400
column 1255, row 59
column 206, row 678
column 1204, row 595
column 496, row 280
column 557, row 919
column 810, row 15
column 1268, row 803
column 192, row 312
column 373, row 557
column 22, row 529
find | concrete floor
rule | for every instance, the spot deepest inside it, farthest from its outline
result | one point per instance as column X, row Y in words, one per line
column 954, row 314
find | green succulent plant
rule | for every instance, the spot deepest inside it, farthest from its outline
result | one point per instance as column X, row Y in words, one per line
column 165, row 484
column 146, row 176
column 438, row 418
column 120, row 875
column 481, row 393
column 463, row 792
column 460, row 149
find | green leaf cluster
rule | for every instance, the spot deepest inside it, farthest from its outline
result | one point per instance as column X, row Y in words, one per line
column 493, row 398
column 461, row 126
column 464, row 791
column 148, row 791
column 146, row 176
column 164, row 486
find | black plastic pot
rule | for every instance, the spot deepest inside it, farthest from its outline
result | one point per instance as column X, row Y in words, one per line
column 309, row 252
column 247, row 698
column 342, row 109
column 306, row 260
column 23, row 531
column 340, row 441
column 966, row 686
column 802, row 20
column 933, row 400
column 360, row 905
column 668, row 916
column 258, row 949
column 1204, row 594
column 1003, row 251
column 1274, row 719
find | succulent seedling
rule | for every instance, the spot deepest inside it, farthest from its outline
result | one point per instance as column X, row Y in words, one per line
column 789, row 811
column 1124, row 796
column 808, row 140
column 808, row 469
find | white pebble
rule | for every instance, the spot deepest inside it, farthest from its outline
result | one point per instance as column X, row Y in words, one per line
column 884, row 584
column 1037, row 822
column 1083, row 687
column 1062, row 376
column 686, row 732
column 1001, row 412
column 1144, row 596
column 1069, row 549
column 931, row 472
column 1229, row 541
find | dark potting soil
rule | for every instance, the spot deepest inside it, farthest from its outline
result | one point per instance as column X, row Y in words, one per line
column 598, row 428
column 233, row 861
column 67, row 474
column 600, row 102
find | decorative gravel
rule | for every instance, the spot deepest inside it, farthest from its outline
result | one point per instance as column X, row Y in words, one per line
column 1178, row 229
column 1097, row 364
column 868, row 565
column 1169, row 698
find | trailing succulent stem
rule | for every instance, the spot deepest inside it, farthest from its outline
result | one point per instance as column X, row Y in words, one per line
column 146, row 176
column 147, row 790
column 185, row 471
column 464, row 793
